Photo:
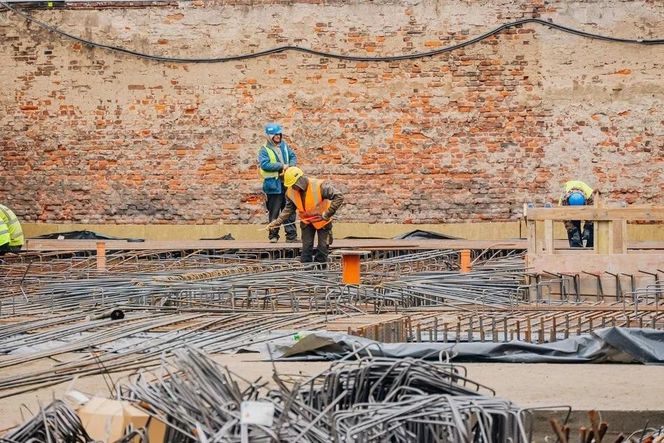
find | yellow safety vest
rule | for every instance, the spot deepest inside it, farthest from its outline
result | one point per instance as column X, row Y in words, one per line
column 13, row 226
column 4, row 233
column 273, row 159
column 312, row 203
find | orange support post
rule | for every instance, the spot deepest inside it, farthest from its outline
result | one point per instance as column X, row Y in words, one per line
column 464, row 260
column 101, row 256
column 350, row 265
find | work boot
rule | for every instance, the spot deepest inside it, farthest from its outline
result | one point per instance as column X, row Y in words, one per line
column 320, row 266
column 274, row 239
column 293, row 240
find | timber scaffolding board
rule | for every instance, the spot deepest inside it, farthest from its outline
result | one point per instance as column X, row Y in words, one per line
column 44, row 249
column 43, row 245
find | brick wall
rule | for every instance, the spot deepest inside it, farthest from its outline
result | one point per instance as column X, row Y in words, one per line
column 92, row 136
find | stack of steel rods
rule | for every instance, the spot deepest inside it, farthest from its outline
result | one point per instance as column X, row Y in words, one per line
column 421, row 279
column 197, row 397
column 214, row 334
column 498, row 286
column 54, row 423
column 238, row 285
column 379, row 270
column 367, row 400
column 432, row 418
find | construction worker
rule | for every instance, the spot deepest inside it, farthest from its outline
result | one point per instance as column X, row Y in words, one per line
column 577, row 193
column 11, row 234
column 315, row 201
column 274, row 157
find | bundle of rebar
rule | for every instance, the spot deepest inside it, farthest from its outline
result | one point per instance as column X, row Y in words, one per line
column 496, row 283
column 367, row 400
column 421, row 279
column 54, row 423
column 214, row 334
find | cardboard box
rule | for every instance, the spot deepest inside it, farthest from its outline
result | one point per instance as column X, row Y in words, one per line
column 106, row 420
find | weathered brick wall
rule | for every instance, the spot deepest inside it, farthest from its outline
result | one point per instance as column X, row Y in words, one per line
column 92, row 136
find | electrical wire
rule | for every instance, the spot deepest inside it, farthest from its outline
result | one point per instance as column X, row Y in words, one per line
column 348, row 57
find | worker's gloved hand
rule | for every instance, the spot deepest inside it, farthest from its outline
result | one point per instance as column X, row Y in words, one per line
column 273, row 225
column 585, row 237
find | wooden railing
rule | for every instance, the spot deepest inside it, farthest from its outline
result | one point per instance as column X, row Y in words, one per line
column 610, row 233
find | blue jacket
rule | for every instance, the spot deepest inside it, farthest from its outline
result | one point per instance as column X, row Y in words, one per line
column 274, row 185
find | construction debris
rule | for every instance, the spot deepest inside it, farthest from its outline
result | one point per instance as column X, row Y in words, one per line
column 56, row 422
column 366, row 400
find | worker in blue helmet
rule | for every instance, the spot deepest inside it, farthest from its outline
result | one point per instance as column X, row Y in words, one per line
column 577, row 193
column 274, row 157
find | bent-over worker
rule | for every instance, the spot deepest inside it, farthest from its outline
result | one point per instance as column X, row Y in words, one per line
column 11, row 233
column 315, row 201
column 577, row 193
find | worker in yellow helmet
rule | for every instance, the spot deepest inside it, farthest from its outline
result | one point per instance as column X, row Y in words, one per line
column 11, row 234
column 578, row 193
column 315, row 201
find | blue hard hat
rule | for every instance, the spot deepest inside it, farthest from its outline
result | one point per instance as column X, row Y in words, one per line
column 273, row 129
column 576, row 198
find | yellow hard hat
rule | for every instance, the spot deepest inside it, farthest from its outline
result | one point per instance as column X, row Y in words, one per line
column 291, row 175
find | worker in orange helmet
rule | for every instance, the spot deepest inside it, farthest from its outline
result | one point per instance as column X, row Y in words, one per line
column 315, row 201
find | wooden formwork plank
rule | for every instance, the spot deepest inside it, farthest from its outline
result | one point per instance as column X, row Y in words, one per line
column 580, row 261
column 548, row 237
column 641, row 213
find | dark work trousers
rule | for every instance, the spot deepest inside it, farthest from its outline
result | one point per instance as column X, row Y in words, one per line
column 6, row 248
column 575, row 236
column 275, row 204
column 324, row 242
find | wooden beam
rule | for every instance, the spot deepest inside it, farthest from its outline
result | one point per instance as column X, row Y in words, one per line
column 548, row 237
column 39, row 245
column 532, row 237
column 619, row 237
column 576, row 262
column 179, row 245
column 603, row 237
column 647, row 213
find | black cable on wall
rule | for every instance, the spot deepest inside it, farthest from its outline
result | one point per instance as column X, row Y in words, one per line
column 332, row 55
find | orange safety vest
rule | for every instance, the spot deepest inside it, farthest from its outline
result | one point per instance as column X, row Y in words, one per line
column 313, row 204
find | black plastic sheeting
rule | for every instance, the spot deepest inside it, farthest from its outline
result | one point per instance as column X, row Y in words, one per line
column 425, row 235
column 223, row 237
column 84, row 235
column 412, row 235
column 609, row 345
